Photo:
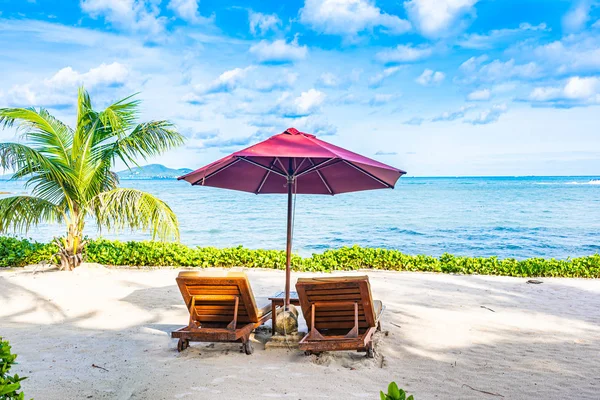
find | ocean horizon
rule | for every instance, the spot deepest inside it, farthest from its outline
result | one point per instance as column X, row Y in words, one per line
column 518, row 217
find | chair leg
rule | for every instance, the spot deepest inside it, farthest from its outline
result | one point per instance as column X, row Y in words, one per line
column 247, row 345
column 182, row 344
column 370, row 350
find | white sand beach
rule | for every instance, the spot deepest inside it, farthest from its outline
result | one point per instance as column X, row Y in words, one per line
column 539, row 342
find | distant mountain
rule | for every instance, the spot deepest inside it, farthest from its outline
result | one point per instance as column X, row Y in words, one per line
column 152, row 171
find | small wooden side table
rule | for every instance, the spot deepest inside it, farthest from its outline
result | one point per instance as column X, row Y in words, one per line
column 278, row 300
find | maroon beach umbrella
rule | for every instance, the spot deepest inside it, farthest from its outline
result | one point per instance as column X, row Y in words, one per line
column 295, row 162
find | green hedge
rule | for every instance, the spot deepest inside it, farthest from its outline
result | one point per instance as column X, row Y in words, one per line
column 10, row 385
column 21, row 252
column 15, row 252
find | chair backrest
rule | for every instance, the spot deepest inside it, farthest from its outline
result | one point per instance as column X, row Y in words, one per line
column 334, row 298
column 213, row 302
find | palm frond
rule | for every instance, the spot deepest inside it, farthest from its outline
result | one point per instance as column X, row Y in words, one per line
column 20, row 213
column 120, row 117
column 148, row 139
column 134, row 209
column 48, row 178
column 97, row 177
column 41, row 129
column 25, row 160
column 84, row 106
column 87, row 124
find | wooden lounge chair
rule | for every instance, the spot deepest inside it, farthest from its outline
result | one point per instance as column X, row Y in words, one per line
column 340, row 314
column 222, row 309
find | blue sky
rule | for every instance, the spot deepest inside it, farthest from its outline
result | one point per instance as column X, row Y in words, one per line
column 435, row 87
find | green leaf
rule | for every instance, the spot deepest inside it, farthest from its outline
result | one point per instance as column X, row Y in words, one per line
column 393, row 391
column 9, row 388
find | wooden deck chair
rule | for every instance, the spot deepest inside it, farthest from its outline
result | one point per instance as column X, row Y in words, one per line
column 222, row 309
column 340, row 314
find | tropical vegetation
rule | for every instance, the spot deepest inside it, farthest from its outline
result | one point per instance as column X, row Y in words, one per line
column 69, row 177
column 19, row 252
column 9, row 384
column 394, row 393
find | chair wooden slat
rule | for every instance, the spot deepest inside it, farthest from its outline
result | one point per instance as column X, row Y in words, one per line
column 339, row 303
column 225, row 304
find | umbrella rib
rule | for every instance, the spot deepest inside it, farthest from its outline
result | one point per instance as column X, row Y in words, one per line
column 300, row 166
column 322, row 178
column 282, row 167
column 315, row 166
column 264, row 179
column 387, row 185
column 204, row 178
column 262, row 166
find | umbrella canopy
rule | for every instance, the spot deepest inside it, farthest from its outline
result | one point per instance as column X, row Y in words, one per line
column 295, row 162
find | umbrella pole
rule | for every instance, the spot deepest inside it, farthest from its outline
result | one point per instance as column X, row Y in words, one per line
column 288, row 250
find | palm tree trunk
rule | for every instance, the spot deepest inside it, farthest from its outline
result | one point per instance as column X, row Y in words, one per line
column 70, row 249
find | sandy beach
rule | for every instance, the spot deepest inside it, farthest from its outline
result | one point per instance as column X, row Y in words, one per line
column 104, row 334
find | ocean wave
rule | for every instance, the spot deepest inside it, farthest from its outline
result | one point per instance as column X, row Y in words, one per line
column 591, row 182
column 403, row 231
column 515, row 229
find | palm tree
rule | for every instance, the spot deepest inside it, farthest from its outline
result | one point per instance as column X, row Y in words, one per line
column 69, row 172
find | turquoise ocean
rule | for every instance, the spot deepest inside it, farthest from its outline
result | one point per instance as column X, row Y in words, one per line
column 483, row 216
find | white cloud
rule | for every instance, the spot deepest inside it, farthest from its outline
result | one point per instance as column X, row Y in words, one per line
column 261, row 23
column 334, row 80
column 497, row 70
column 490, row 115
column 315, row 125
column 279, row 51
column 582, row 88
column 135, row 15
column 414, row 121
column 226, row 82
column 329, row 79
column 577, row 17
column 474, row 70
column 472, row 64
column 545, row 93
column 435, row 18
column 479, row 95
column 272, row 83
column 452, row 115
column 430, row 77
column 60, row 88
column 382, row 98
column 104, row 74
column 349, row 17
column 307, row 103
column 575, row 91
column 378, row 79
column 347, row 98
column 188, row 10
column 498, row 36
column 404, row 53
column 575, row 53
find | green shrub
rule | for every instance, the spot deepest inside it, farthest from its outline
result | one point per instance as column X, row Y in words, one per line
column 17, row 253
column 394, row 393
column 20, row 252
column 9, row 384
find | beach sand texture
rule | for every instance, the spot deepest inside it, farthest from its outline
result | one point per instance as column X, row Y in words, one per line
column 539, row 342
